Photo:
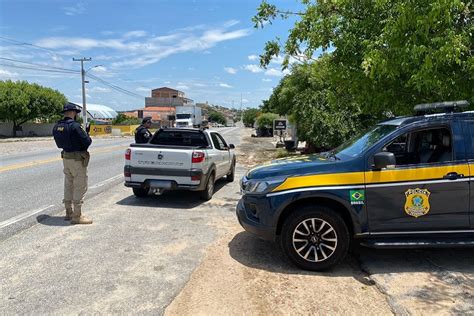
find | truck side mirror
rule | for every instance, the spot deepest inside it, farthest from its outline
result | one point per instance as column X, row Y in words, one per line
column 383, row 160
column 231, row 146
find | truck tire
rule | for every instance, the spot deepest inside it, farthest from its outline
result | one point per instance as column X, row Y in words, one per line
column 207, row 193
column 231, row 175
column 315, row 238
column 140, row 193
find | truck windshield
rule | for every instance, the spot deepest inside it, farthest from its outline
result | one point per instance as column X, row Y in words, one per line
column 357, row 145
column 183, row 116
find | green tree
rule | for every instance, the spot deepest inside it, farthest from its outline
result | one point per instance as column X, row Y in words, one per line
column 265, row 120
column 21, row 102
column 387, row 54
column 249, row 117
column 216, row 117
column 122, row 119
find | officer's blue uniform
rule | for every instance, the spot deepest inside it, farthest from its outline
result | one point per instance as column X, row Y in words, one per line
column 74, row 142
column 70, row 136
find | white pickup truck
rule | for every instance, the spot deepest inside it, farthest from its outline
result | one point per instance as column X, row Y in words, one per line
column 177, row 158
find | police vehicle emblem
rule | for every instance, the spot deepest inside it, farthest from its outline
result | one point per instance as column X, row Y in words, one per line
column 417, row 202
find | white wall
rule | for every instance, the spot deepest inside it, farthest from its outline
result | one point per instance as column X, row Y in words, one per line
column 29, row 129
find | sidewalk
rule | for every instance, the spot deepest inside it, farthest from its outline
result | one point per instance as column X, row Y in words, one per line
column 135, row 258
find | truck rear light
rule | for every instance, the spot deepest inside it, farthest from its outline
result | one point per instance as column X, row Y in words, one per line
column 195, row 178
column 126, row 172
column 128, row 154
column 198, row 156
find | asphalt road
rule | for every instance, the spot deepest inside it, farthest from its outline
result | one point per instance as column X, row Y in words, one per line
column 135, row 258
column 31, row 182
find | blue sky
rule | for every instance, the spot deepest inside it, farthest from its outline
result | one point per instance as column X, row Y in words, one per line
column 208, row 49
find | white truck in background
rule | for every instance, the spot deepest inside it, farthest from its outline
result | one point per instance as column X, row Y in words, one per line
column 188, row 116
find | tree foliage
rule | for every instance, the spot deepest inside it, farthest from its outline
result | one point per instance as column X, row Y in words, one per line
column 389, row 55
column 216, row 117
column 265, row 120
column 122, row 119
column 21, row 102
column 249, row 117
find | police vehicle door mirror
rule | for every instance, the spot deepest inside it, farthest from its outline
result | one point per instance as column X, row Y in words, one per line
column 231, row 146
column 383, row 160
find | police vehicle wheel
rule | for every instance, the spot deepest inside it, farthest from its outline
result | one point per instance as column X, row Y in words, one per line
column 209, row 190
column 139, row 192
column 315, row 238
column 231, row 176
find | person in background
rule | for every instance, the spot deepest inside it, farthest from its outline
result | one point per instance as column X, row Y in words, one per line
column 142, row 133
column 74, row 142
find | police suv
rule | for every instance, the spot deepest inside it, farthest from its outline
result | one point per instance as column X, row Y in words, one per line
column 407, row 183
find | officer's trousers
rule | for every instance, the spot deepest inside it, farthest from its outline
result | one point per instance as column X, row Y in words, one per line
column 75, row 184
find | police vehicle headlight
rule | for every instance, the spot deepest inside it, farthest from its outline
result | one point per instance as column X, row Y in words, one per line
column 259, row 186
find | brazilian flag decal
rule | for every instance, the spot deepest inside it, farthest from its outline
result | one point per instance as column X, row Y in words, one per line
column 357, row 197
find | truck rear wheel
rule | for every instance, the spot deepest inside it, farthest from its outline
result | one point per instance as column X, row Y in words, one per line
column 231, row 175
column 315, row 238
column 139, row 192
column 209, row 190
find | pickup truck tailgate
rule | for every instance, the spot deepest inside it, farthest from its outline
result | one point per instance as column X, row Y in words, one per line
column 160, row 164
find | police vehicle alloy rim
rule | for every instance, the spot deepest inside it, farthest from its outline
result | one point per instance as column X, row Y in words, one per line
column 314, row 240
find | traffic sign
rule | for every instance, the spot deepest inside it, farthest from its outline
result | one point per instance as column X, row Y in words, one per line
column 280, row 125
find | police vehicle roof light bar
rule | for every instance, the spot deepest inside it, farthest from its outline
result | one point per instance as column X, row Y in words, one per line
column 440, row 107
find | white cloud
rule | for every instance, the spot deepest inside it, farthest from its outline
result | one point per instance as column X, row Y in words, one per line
column 231, row 23
column 99, row 89
column 99, row 69
column 5, row 74
column 266, row 79
column 148, row 50
column 79, row 8
column 182, row 87
column 132, row 34
column 245, row 101
column 253, row 68
column 230, row 70
column 276, row 73
column 253, row 57
column 225, row 85
column 200, row 85
column 143, row 89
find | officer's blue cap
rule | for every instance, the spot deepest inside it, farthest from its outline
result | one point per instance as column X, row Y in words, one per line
column 71, row 107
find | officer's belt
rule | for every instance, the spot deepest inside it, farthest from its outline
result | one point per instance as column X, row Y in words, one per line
column 76, row 155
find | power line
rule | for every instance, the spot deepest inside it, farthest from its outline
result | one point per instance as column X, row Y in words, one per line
column 115, row 87
column 37, row 69
column 16, row 42
column 39, row 65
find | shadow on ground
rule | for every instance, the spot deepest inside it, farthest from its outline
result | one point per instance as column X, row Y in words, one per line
column 179, row 199
column 52, row 220
column 451, row 271
column 264, row 255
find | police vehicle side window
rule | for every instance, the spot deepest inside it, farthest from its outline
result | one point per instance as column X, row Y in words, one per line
column 470, row 142
column 422, row 147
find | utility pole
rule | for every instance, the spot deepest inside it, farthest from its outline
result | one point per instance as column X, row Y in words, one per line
column 241, row 113
column 83, row 74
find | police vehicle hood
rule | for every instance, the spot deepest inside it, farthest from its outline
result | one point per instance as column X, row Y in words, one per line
column 300, row 165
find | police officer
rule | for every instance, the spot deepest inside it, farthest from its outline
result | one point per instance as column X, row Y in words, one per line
column 142, row 133
column 74, row 142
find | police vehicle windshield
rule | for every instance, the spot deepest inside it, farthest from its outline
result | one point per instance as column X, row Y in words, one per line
column 357, row 145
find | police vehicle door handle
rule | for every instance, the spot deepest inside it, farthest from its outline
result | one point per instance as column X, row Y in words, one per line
column 453, row 176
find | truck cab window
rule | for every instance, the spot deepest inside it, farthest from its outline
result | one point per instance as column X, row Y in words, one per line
column 422, row 147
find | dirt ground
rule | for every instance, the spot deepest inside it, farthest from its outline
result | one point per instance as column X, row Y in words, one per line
column 242, row 275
